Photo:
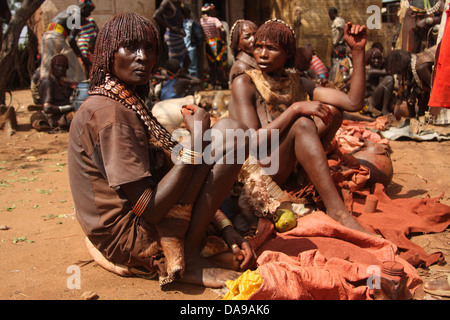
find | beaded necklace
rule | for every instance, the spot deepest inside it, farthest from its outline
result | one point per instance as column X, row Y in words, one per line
column 114, row 89
column 427, row 7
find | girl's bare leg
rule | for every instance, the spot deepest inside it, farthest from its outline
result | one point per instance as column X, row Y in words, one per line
column 304, row 145
column 207, row 190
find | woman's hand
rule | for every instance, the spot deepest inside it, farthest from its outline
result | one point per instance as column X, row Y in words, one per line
column 197, row 121
column 316, row 109
column 240, row 247
column 355, row 36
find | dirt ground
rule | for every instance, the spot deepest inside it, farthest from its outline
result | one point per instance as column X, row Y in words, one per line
column 41, row 243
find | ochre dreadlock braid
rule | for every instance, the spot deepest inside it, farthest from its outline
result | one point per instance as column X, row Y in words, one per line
column 235, row 34
column 281, row 33
column 120, row 31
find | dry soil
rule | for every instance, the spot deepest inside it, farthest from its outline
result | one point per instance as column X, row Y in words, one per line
column 42, row 243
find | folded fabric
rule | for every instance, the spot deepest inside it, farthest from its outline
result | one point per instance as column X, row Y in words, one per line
column 321, row 259
column 399, row 218
column 415, row 130
column 351, row 134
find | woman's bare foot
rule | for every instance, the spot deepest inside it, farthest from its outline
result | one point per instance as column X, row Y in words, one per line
column 203, row 272
column 346, row 219
column 440, row 287
column 226, row 260
column 103, row 262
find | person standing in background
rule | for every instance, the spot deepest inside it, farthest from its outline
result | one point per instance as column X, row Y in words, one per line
column 169, row 15
column 192, row 40
column 215, row 46
column 337, row 31
column 86, row 39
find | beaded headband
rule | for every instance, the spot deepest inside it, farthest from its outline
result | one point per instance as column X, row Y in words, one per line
column 234, row 27
column 87, row 3
column 276, row 20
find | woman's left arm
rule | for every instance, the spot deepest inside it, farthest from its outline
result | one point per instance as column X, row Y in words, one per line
column 356, row 38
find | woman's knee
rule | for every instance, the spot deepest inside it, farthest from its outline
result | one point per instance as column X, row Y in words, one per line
column 229, row 124
column 337, row 115
column 388, row 82
column 304, row 125
column 227, row 137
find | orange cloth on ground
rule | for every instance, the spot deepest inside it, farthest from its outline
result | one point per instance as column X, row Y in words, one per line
column 321, row 259
column 351, row 133
column 396, row 219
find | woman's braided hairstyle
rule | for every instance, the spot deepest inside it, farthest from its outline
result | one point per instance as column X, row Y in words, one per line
column 235, row 34
column 281, row 33
column 118, row 32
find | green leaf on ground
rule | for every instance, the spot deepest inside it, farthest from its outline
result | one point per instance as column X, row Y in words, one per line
column 22, row 239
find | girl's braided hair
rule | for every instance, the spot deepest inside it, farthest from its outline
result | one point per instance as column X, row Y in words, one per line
column 235, row 34
column 281, row 33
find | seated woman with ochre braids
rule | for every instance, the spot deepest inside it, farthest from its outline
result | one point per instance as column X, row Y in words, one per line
column 144, row 201
column 242, row 40
column 306, row 117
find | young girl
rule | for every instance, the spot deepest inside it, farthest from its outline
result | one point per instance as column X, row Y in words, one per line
column 380, row 84
column 139, row 209
column 305, row 117
column 242, row 39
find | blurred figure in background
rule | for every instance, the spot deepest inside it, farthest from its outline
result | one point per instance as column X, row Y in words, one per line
column 242, row 41
column 215, row 46
column 170, row 16
column 54, row 42
column 193, row 41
